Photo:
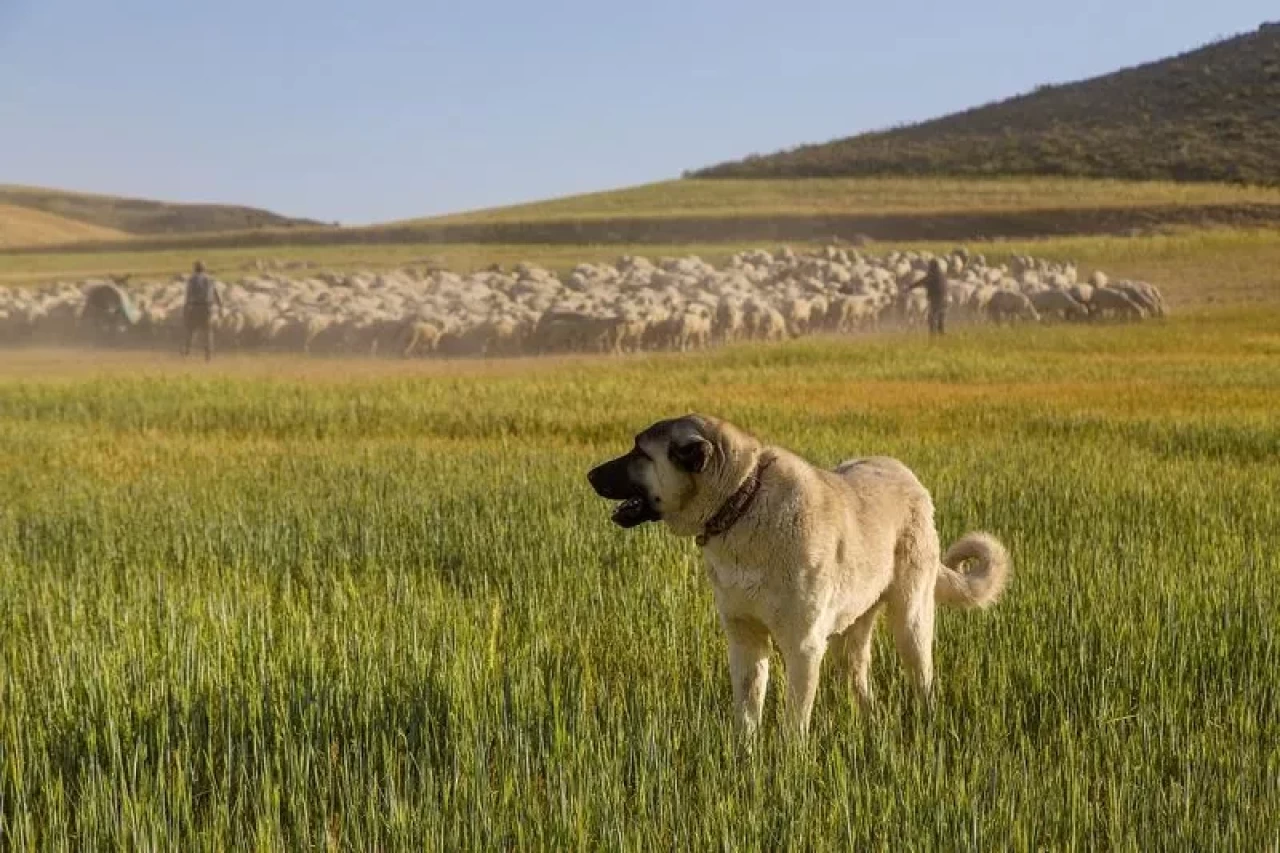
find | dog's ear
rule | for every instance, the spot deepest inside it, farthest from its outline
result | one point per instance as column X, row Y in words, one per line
column 691, row 454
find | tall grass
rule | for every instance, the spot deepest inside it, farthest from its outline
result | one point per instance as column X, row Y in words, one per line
column 365, row 612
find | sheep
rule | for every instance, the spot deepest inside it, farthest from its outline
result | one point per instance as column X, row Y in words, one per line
column 763, row 322
column 1109, row 302
column 847, row 313
column 727, row 325
column 1082, row 293
column 1011, row 304
column 1152, row 292
column 1058, row 304
column 913, row 307
column 630, row 334
column 684, row 331
column 797, row 313
column 634, row 304
column 419, row 337
column 1147, row 297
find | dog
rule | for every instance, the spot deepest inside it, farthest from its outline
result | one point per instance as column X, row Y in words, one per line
column 800, row 556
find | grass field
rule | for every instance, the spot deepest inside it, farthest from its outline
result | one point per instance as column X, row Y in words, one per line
column 275, row 603
column 808, row 196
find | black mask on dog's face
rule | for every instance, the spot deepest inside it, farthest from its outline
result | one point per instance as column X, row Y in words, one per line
column 668, row 452
column 619, row 480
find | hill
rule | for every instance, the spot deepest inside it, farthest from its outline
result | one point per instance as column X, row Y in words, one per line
column 686, row 212
column 24, row 226
column 1205, row 115
column 141, row 216
column 690, row 199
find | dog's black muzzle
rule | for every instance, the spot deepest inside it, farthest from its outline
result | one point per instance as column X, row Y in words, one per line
column 613, row 481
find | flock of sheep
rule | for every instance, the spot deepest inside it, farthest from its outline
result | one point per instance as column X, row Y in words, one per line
column 633, row 304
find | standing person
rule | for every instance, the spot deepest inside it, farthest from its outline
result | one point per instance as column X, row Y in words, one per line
column 935, row 289
column 202, row 295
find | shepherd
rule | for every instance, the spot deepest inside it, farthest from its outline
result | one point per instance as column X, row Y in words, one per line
column 935, row 289
column 202, row 295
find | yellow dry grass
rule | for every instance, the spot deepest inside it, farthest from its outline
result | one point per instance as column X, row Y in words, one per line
column 24, row 226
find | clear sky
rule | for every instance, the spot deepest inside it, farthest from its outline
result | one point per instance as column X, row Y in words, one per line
column 369, row 110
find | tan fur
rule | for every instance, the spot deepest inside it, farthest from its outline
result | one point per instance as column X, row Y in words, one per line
column 814, row 560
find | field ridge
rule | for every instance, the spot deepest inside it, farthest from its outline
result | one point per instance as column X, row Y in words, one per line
column 950, row 225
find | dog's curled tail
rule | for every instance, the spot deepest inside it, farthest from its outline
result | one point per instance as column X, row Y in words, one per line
column 982, row 584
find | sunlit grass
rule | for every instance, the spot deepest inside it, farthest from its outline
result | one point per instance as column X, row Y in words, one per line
column 23, row 226
column 287, row 606
column 850, row 196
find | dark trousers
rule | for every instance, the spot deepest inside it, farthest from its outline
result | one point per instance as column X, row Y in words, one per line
column 199, row 319
column 937, row 319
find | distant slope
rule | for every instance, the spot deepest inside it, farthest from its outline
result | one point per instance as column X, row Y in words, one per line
column 140, row 216
column 24, row 226
column 792, row 210
column 782, row 198
column 1207, row 115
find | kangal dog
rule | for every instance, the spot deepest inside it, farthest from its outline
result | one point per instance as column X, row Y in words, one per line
column 801, row 556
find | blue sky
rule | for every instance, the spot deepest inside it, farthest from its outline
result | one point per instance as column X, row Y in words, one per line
column 384, row 109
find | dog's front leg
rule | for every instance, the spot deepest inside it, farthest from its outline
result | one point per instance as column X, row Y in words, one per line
column 749, row 669
column 804, row 663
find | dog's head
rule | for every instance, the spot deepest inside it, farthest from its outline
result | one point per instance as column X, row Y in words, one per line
column 679, row 471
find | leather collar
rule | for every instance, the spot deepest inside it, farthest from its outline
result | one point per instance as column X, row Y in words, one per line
column 737, row 504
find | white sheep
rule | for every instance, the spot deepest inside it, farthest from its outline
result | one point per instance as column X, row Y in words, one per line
column 677, row 303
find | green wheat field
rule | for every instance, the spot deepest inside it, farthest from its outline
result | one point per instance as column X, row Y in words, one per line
column 280, row 605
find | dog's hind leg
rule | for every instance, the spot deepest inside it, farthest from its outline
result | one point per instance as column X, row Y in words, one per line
column 855, row 647
column 749, row 669
column 911, row 601
column 912, row 623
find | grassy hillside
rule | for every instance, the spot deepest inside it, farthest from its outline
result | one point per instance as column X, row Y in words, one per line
column 1206, row 115
column 863, row 197
column 140, row 216
column 273, row 606
column 699, row 212
column 25, row 226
